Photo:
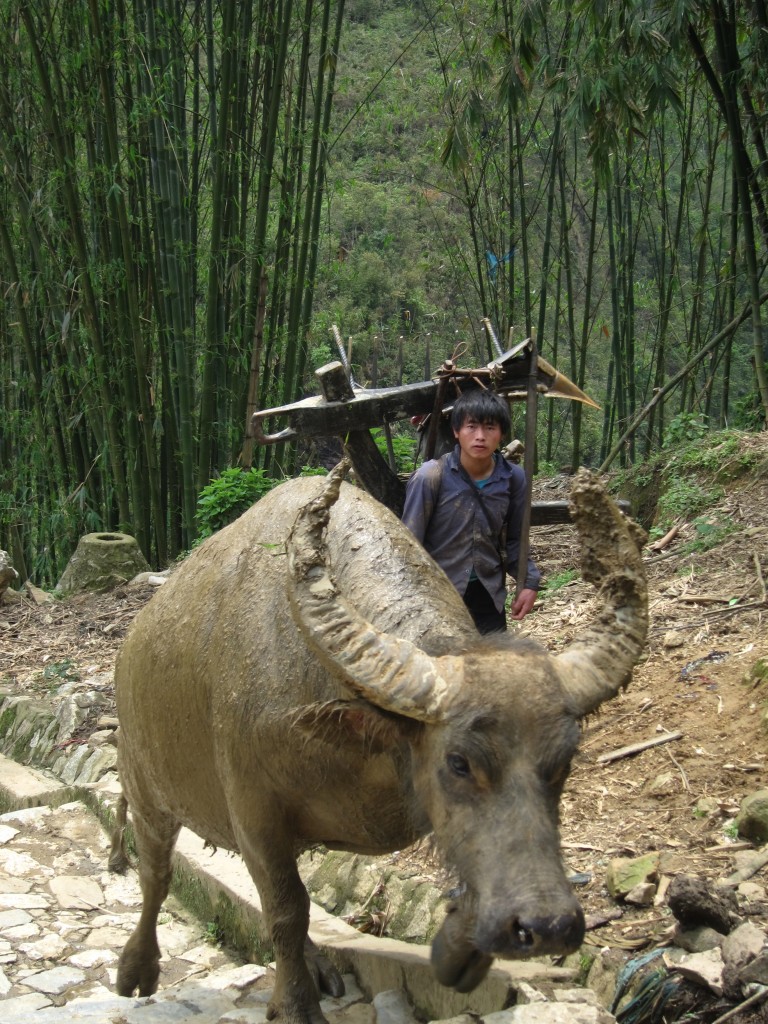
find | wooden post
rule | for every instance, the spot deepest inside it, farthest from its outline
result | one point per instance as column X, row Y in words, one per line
column 371, row 469
column 531, row 409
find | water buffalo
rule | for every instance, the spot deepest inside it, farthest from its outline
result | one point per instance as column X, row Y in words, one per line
column 309, row 675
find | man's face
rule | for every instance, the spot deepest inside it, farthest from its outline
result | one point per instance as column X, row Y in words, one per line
column 478, row 440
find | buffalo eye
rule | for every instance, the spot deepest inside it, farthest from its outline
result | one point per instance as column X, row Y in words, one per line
column 458, row 765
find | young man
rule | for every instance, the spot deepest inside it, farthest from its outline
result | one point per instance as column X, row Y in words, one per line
column 467, row 507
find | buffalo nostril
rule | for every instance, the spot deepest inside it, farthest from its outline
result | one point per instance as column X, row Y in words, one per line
column 522, row 936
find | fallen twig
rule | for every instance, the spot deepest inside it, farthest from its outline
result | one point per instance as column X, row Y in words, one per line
column 754, row 999
column 636, row 748
column 680, row 768
column 749, row 869
column 659, row 545
column 761, row 581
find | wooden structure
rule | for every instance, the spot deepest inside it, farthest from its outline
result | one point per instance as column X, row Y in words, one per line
column 345, row 410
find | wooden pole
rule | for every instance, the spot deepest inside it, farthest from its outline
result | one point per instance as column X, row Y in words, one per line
column 531, row 408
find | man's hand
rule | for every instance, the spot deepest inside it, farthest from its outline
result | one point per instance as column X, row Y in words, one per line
column 522, row 604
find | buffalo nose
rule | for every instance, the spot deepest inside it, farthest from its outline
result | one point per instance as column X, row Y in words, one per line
column 534, row 935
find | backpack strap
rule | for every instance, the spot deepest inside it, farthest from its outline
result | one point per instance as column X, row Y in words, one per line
column 501, row 537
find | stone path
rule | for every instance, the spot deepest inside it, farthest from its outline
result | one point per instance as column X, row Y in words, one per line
column 64, row 919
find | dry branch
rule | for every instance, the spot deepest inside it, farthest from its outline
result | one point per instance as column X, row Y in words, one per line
column 749, row 868
column 636, row 748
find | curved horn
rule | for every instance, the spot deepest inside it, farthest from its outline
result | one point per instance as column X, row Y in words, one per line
column 599, row 663
column 393, row 674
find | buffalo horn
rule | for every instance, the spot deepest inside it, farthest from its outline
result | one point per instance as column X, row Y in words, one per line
column 391, row 673
column 599, row 662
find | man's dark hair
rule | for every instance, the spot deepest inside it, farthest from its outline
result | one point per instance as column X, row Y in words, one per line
column 483, row 406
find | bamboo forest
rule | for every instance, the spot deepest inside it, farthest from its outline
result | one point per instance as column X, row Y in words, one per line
column 194, row 193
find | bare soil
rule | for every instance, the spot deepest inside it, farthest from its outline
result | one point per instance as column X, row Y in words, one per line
column 708, row 630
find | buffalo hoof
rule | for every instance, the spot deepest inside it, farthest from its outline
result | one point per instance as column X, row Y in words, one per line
column 137, row 971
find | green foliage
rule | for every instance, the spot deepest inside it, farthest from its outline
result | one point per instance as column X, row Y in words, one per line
column 748, row 412
column 683, row 499
column 757, row 675
column 228, row 496
column 686, row 426
column 710, row 532
column 731, row 831
column 557, row 582
column 61, row 671
column 56, row 673
column 403, row 446
column 719, row 454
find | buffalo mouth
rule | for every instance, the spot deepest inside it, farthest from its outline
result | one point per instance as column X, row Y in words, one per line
column 462, row 955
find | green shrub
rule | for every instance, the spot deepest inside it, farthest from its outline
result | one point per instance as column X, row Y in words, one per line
column 709, row 533
column 224, row 499
column 683, row 499
column 685, row 427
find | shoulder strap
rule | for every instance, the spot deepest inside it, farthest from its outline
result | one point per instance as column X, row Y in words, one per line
column 501, row 538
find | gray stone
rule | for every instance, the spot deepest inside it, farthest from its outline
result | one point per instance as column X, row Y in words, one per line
column 742, row 945
column 90, row 958
column 102, row 561
column 24, row 901
column 7, row 833
column 49, row 947
column 641, row 895
column 392, row 1007
column 56, row 980
column 13, row 919
column 17, row 1009
column 752, row 819
column 705, row 969
column 696, row 940
column 245, row 1015
column 551, row 1013
column 77, row 891
column 756, row 972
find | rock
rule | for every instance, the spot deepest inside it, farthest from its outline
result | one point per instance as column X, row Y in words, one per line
column 693, row 903
column 751, row 891
column 743, row 945
column 752, row 819
column 8, row 574
column 696, row 940
column 705, row 969
column 662, row 785
column 624, row 873
column 392, row 1008
column 56, row 980
column 38, row 596
column 740, row 949
column 102, row 561
column 153, row 579
column 76, row 892
column 756, row 972
column 642, row 895
column 603, row 975
column 707, row 807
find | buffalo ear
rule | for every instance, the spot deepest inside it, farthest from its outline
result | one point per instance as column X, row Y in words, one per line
column 356, row 724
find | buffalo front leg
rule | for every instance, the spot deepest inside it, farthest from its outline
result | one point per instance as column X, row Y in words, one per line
column 301, row 970
column 139, row 966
